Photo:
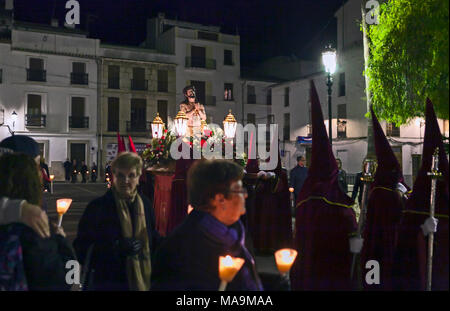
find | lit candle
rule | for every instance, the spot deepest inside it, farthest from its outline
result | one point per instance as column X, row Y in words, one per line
column 52, row 177
column 51, row 181
column 62, row 205
column 190, row 208
column 285, row 258
column 291, row 189
column 228, row 268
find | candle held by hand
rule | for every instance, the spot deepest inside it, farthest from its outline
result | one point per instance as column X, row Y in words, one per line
column 285, row 258
column 229, row 267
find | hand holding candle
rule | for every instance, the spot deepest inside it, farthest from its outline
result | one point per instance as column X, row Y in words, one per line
column 62, row 205
column 285, row 258
column 228, row 268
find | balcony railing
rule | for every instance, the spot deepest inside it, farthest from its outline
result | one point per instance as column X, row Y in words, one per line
column 163, row 86
column 35, row 120
column 36, row 75
column 199, row 62
column 210, row 100
column 113, row 125
column 139, row 127
column 78, row 122
column 139, row 85
column 79, row 78
column 251, row 99
column 113, row 83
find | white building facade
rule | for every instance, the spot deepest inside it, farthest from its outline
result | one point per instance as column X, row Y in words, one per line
column 205, row 58
column 49, row 80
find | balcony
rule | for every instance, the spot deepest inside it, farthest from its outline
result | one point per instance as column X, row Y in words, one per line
column 139, row 85
column 251, row 99
column 113, row 83
column 79, row 78
column 33, row 120
column 210, row 100
column 139, row 127
column 78, row 122
column 163, row 86
column 36, row 75
column 199, row 62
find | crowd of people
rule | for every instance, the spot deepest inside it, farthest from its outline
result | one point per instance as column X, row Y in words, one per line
column 235, row 212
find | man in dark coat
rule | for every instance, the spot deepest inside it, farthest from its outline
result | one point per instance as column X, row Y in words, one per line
column 298, row 175
column 67, row 168
column 84, row 171
column 74, row 171
column 101, row 230
column 357, row 188
column 189, row 258
column 411, row 256
column 325, row 220
column 94, row 172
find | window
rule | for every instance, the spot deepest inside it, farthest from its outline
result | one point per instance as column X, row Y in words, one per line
column 162, row 110
column 228, row 91
column 269, row 97
column 1, row 75
column 251, row 118
column 287, row 126
column 342, row 121
column 342, row 84
column 34, row 116
column 113, row 77
column 138, row 119
column 251, row 96
column 138, row 83
column 271, row 119
column 113, row 114
column 286, row 97
column 392, row 130
column 77, row 118
column 228, row 57
column 78, row 74
column 36, row 71
column 163, row 80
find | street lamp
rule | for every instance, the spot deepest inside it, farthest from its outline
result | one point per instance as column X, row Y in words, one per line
column 14, row 119
column 329, row 61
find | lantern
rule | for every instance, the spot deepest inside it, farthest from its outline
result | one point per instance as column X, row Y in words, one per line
column 157, row 127
column 229, row 125
column 285, row 258
column 62, row 205
column 329, row 59
column 181, row 123
column 228, row 268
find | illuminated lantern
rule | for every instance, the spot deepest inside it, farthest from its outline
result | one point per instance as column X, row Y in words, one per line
column 181, row 123
column 285, row 258
column 62, row 205
column 229, row 125
column 329, row 60
column 228, row 268
column 157, row 127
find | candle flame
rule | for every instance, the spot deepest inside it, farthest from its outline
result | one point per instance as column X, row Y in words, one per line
column 190, row 208
column 229, row 267
column 62, row 205
column 285, row 258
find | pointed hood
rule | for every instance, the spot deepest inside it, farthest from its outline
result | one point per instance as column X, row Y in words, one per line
column 388, row 171
column 252, row 164
column 421, row 192
column 120, row 144
column 131, row 144
column 323, row 165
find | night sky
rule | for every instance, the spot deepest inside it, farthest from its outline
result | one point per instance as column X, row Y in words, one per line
column 267, row 28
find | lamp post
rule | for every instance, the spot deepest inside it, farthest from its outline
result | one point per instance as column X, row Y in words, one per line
column 329, row 61
column 14, row 119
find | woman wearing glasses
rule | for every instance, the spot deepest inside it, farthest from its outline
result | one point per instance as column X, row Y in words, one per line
column 116, row 234
column 189, row 258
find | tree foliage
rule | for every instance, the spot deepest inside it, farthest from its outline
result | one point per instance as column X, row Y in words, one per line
column 409, row 59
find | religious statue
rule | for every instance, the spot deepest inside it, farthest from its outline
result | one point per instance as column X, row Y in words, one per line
column 194, row 110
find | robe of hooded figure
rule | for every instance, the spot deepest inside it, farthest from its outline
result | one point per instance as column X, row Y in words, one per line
column 410, row 267
column 384, row 209
column 325, row 219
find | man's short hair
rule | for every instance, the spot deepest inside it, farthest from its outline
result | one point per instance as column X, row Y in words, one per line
column 128, row 160
column 20, row 143
column 206, row 178
column 300, row 158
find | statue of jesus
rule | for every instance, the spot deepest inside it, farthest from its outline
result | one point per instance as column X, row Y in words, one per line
column 193, row 109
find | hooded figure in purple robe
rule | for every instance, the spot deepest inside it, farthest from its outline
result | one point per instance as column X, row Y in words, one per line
column 411, row 256
column 325, row 219
column 387, row 198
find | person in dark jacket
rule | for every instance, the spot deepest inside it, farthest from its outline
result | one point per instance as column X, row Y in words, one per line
column 94, row 172
column 342, row 177
column 358, row 188
column 119, row 229
column 74, row 171
column 67, row 168
column 45, row 175
column 189, row 258
column 298, row 175
column 84, row 170
column 42, row 265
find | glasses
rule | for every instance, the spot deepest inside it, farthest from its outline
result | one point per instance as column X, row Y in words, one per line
column 243, row 191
